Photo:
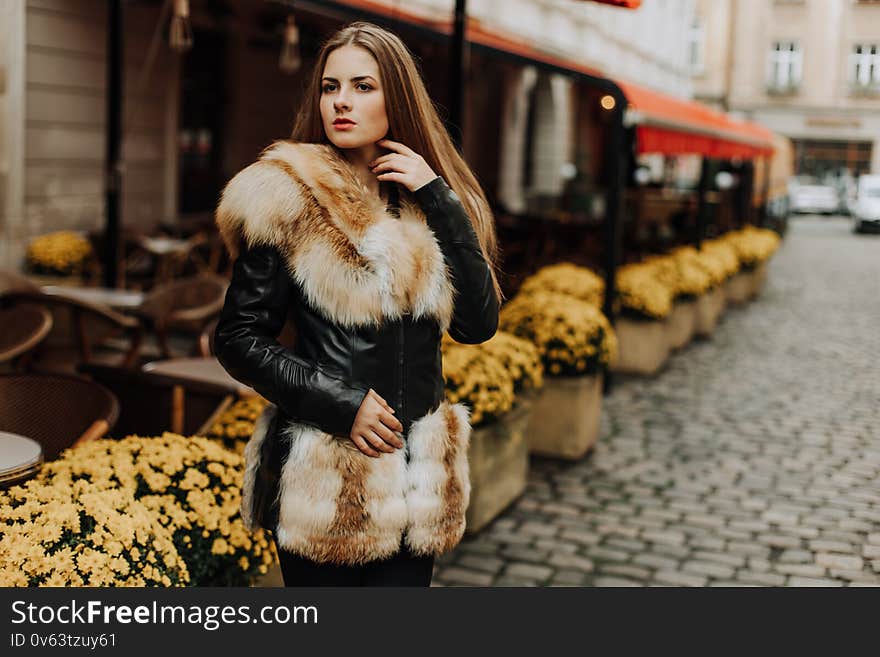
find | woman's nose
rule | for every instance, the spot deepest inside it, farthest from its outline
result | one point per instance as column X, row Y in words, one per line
column 342, row 102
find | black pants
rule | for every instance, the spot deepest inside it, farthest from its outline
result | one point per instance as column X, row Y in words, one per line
column 401, row 569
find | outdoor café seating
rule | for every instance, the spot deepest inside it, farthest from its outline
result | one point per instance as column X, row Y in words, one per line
column 57, row 411
column 81, row 329
column 20, row 459
column 22, row 327
column 152, row 402
column 11, row 282
column 185, row 306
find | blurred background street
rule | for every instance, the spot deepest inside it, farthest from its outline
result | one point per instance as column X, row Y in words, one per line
column 752, row 459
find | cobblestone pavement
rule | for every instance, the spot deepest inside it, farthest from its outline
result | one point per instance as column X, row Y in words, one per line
column 753, row 459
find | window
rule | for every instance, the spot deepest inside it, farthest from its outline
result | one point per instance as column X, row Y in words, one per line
column 696, row 40
column 865, row 66
column 786, row 60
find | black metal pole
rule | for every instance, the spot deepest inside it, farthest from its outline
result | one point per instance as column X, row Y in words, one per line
column 702, row 205
column 616, row 158
column 112, row 172
column 746, row 180
column 765, row 193
column 457, row 74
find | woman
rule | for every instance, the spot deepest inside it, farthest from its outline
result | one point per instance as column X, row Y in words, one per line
column 371, row 231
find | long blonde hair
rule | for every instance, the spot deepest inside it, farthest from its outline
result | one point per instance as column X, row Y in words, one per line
column 412, row 120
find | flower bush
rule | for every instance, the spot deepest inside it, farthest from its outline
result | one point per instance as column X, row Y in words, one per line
column 567, row 278
column 62, row 253
column 573, row 337
column 712, row 265
column 642, row 292
column 234, row 426
column 752, row 245
column 718, row 258
column 519, row 356
column 477, row 379
column 681, row 273
column 82, row 534
column 189, row 486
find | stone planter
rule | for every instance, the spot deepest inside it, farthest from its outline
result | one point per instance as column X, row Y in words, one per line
column 709, row 308
column 643, row 345
column 738, row 288
column 498, row 461
column 681, row 323
column 271, row 579
column 759, row 279
column 564, row 422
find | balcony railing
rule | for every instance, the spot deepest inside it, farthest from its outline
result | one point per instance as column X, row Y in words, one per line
column 783, row 88
column 862, row 89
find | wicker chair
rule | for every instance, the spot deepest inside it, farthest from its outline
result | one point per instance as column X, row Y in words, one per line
column 22, row 327
column 57, row 411
column 89, row 324
column 11, row 282
column 206, row 338
column 187, row 305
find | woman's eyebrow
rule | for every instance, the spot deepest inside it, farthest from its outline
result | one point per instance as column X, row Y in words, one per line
column 354, row 79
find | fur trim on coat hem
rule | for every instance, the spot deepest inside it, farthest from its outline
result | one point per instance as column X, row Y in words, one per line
column 337, row 505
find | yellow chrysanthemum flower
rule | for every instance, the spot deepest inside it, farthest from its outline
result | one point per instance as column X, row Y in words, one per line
column 564, row 330
column 63, row 252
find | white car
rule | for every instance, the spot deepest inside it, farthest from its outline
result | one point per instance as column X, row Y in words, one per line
column 866, row 211
column 812, row 198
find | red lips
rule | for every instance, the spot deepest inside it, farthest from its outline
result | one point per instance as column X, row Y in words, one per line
column 343, row 122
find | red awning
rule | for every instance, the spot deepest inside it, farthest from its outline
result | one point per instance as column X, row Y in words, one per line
column 674, row 126
column 626, row 4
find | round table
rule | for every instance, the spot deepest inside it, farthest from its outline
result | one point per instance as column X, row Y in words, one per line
column 112, row 297
column 199, row 369
column 20, row 458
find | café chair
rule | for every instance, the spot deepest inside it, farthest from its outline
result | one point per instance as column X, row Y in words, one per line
column 58, row 411
column 187, row 305
column 80, row 330
column 22, row 327
column 11, row 282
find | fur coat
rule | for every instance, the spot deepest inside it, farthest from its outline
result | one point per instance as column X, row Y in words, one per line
column 357, row 264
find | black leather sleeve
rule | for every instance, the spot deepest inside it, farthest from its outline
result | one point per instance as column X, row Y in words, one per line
column 246, row 345
column 475, row 317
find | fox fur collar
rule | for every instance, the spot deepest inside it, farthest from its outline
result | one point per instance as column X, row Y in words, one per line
column 354, row 260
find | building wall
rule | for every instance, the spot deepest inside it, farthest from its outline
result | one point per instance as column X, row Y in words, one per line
column 12, row 17
column 63, row 123
column 824, row 107
column 65, row 114
column 711, row 81
column 646, row 46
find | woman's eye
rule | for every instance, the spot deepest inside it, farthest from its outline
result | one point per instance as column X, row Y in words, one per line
column 330, row 86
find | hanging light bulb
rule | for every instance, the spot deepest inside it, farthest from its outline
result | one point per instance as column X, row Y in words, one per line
column 290, row 61
column 180, row 36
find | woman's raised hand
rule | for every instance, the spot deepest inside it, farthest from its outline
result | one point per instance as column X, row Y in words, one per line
column 374, row 426
column 403, row 166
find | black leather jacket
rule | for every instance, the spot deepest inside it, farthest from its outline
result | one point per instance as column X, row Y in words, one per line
column 323, row 379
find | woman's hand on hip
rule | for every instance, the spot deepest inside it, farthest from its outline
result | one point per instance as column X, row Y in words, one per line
column 403, row 166
column 374, row 426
